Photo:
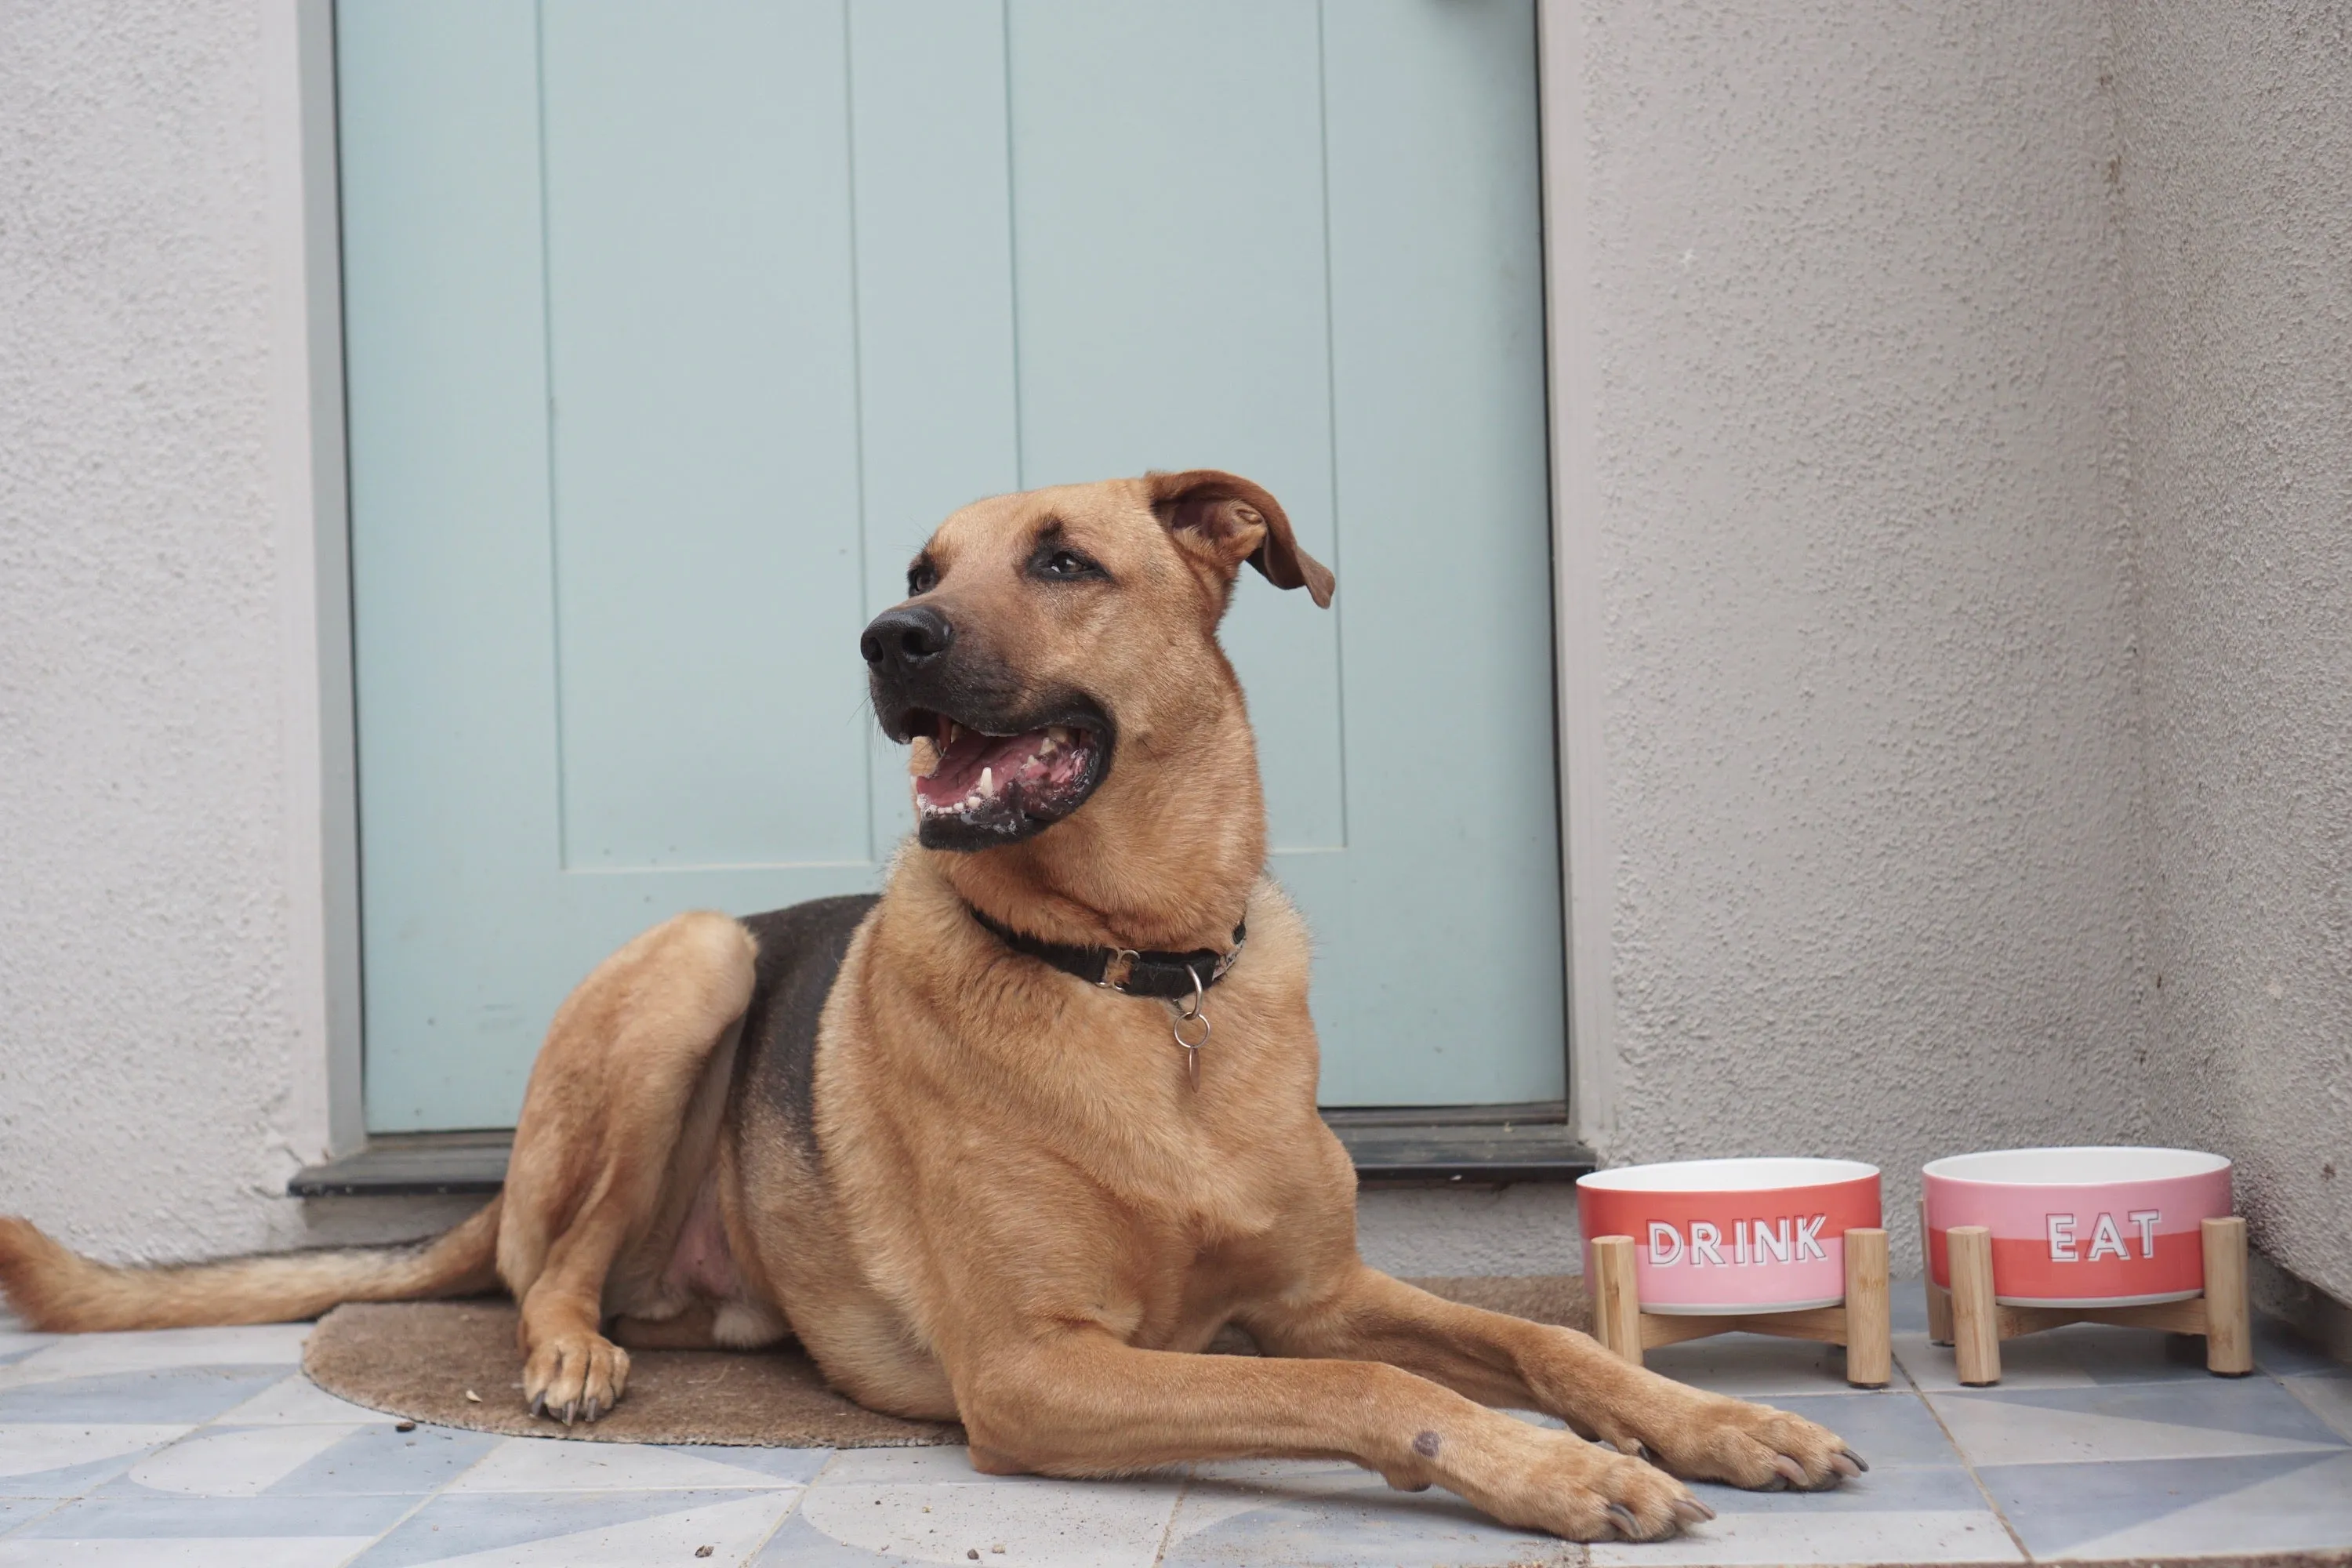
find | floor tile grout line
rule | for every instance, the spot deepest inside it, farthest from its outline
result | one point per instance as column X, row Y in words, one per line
column 380, row 1536
column 800, row 1496
column 55, row 1504
column 447, row 1482
column 1967, row 1463
column 2290, row 1386
column 1168, row 1530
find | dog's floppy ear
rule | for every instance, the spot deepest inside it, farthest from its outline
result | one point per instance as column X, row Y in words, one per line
column 1238, row 521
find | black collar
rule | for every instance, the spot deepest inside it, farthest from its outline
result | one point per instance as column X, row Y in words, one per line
column 1175, row 976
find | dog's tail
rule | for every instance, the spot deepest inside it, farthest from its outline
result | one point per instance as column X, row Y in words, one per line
column 52, row 1287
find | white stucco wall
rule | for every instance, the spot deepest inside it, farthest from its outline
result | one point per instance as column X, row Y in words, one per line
column 157, row 1063
column 2237, row 181
column 1872, row 758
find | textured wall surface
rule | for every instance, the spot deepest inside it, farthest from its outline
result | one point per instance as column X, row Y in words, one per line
column 1870, row 735
column 2237, row 177
column 145, row 1038
column 1414, row 1231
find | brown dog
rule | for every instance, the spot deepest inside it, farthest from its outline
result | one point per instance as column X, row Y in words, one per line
column 975, row 1186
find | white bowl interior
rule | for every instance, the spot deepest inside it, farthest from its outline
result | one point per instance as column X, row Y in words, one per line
column 1746, row 1175
column 2074, row 1167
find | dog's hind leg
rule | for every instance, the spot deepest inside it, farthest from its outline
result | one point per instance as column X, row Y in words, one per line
column 615, row 1136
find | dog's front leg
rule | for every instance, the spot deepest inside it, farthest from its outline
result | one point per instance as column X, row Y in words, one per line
column 1080, row 1402
column 1501, row 1360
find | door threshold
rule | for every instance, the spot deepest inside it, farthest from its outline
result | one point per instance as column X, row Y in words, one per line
column 1463, row 1145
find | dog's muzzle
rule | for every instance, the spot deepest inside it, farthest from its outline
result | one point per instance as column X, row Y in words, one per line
column 993, row 764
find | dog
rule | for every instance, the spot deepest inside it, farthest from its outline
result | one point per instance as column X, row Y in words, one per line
column 1013, row 1142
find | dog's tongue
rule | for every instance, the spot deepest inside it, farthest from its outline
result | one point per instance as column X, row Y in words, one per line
column 974, row 769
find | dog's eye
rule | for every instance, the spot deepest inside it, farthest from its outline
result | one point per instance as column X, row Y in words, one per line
column 921, row 578
column 1063, row 562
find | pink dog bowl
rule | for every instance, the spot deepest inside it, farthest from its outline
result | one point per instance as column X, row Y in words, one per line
column 1733, row 1236
column 2081, row 1227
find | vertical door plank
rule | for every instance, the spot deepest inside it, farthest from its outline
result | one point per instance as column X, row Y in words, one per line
column 707, row 507
column 1437, row 340
column 933, row 206
column 455, row 655
column 1168, row 257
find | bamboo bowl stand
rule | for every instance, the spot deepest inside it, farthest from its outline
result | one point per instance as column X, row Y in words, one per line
column 1859, row 1323
column 1973, row 1323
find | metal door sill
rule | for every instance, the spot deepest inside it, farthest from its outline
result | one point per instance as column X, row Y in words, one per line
column 1471, row 1146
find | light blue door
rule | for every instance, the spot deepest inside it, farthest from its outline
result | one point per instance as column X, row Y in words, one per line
column 673, row 330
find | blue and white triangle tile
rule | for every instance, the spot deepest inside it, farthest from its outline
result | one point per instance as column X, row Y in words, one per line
column 2237, row 1505
column 553, row 1465
column 89, row 1355
column 2326, row 1396
column 1317, row 1512
column 321, row 1460
column 930, row 1505
column 236, row 1532
column 295, row 1401
column 2212, row 1417
column 583, row 1530
column 65, row 1459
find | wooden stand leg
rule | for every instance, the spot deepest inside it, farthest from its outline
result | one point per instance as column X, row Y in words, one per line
column 1939, row 1300
column 1869, row 1328
column 1976, row 1331
column 2229, row 1327
column 1616, row 1303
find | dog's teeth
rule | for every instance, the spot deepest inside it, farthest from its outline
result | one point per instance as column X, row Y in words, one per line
column 955, row 733
column 1058, row 734
column 1048, row 746
column 988, row 784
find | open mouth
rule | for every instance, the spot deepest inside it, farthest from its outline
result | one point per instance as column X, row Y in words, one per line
column 972, row 787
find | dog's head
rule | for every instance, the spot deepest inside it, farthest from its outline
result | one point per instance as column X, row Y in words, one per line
column 1040, row 628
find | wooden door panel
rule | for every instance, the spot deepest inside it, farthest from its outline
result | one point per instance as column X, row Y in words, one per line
column 1171, row 278
column 702, row 346
column 674, row 331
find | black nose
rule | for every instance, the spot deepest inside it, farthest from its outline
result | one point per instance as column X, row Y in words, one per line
column 906, row 639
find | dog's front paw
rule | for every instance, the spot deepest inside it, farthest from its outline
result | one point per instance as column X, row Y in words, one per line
column 1717, row 1438
column 1582, row 1491
column 574, row 1376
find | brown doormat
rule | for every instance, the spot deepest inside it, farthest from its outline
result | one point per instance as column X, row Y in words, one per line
column 422, row 1360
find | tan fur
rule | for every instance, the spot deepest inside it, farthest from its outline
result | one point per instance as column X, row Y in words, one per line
column 1026, row 1216
column 56, row 1289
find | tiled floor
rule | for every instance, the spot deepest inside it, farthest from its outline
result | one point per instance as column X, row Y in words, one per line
column 206, row 1446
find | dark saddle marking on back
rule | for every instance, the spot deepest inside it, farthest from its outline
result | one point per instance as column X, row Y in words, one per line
column 800, row 951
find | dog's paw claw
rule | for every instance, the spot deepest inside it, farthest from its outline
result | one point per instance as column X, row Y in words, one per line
column 1604, row 1493
column 1751, row 1446
column 1690, row 1510
column 568, row 1377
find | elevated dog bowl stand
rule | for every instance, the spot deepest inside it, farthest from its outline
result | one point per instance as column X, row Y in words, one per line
column 1968, row 1318
column 1859, row 1323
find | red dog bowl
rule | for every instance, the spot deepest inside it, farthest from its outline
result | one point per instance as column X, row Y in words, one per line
column 2081, row 1227
column 1733, row 1236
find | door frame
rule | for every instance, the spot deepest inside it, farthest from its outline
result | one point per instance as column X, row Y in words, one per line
column 308, row 445
column 1587, row 878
